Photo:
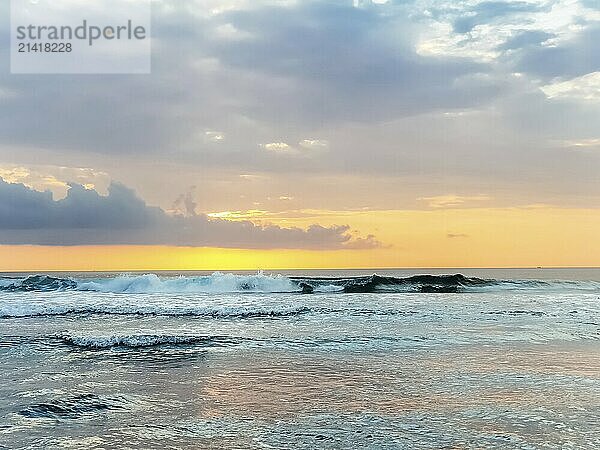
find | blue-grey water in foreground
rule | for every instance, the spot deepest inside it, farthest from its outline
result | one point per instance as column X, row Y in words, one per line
column 491, row 359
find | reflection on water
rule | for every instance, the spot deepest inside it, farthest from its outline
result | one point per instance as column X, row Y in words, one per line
column 382, row 371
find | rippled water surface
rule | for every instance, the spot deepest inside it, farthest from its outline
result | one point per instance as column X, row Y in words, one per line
column 486, row 360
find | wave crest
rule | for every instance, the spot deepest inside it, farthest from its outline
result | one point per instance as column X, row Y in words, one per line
column 231, row 283
column 260, row 283
column 144, row 340
column 215, row 283
column 36, row 283
column 377, row 283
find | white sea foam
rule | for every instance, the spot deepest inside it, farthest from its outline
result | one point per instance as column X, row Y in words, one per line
column 215, row 283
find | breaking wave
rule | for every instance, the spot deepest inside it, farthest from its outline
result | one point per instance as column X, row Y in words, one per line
column 145, row 340
column 377, row 283
column 261, row 283
column 36, row 283
column 216, row 283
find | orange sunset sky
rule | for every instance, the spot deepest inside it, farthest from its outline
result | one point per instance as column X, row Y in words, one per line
column 508, row 237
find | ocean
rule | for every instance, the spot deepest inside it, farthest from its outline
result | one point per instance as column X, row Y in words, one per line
column 404, row 359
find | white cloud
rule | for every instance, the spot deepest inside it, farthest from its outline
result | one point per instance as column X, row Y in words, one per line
column 55, row 179
column 583, row 143
column 228, row 31
column 301, row 149
column 214, row 136
column 586, row 87
column 253, row 177
column 278, row 147
column 452, row 200
column 561, row 18
column 314, row 144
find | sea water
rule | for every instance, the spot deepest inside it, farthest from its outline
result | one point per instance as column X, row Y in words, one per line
column 334, row 360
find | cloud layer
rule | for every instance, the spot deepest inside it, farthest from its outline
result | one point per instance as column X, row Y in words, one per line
column 337, row 104
column 84, row 217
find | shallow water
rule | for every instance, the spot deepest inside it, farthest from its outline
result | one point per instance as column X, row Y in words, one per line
column 222, row 361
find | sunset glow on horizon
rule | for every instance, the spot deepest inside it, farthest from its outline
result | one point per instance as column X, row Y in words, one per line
column 510, row 237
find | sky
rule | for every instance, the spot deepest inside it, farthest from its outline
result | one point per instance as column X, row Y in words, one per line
column 311, row 134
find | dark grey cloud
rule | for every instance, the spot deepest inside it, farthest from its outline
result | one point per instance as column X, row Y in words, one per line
column 186, row 203
column 302, row 66
column 84, row 217
column 346, row 63
column 25, row 209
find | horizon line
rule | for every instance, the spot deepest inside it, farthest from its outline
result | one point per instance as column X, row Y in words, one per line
column 299, row 269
